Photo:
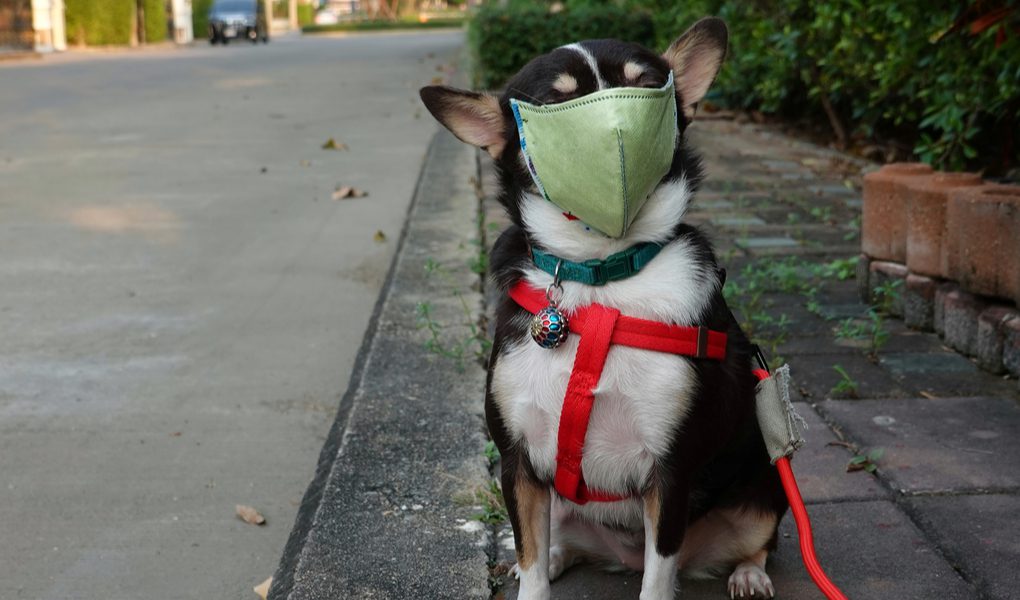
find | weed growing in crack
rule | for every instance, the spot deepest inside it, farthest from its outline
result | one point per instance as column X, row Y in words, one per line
column 473, row 343
column 846, row 386
column 865, row 461
column 491, row 454
column 493, row 505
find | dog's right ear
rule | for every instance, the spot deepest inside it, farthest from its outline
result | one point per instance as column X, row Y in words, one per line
column 472, row 117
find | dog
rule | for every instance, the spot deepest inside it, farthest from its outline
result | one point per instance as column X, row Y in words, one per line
column 673, row 439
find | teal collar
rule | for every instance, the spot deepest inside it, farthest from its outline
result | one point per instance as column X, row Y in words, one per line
column 597, row 271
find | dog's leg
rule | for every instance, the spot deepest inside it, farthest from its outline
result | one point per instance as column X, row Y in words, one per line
column 528, row 505
column 664, row 530
column 749, row 579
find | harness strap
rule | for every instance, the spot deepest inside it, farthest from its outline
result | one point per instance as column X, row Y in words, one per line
column 599, row 327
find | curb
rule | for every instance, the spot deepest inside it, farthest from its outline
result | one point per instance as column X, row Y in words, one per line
column 389, row 511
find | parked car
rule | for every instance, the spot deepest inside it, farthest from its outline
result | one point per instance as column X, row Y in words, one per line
column 241, row 19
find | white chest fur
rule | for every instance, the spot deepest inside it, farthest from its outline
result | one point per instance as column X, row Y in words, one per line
column 643, row 396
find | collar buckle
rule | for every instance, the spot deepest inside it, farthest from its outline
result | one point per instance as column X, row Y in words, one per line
column 616, row 267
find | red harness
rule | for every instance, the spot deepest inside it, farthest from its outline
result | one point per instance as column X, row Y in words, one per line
column 599, row 327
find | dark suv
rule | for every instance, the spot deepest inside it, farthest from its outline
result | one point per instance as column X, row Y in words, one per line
column 238, row 19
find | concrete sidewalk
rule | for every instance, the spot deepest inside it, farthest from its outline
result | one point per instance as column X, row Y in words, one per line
column 934, row 519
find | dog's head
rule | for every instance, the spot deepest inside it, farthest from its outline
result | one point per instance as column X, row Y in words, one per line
column 570, row 72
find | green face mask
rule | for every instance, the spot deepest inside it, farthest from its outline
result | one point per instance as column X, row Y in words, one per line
column 600, row 156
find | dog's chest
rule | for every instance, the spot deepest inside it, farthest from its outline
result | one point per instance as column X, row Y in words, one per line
column 640, row 401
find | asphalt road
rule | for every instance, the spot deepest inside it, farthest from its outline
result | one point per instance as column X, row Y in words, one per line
column 181, row 300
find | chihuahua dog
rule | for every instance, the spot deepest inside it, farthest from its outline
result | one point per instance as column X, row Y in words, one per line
column 673, row 455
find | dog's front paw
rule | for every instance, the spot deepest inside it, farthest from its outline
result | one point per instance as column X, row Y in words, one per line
column 750, row 581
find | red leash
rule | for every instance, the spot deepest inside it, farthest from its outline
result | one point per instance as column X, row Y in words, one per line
column 599, row 327
column 800, row 516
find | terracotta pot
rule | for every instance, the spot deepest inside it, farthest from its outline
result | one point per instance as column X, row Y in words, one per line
column 982, row 241
column 926, row 219
column 884, row 215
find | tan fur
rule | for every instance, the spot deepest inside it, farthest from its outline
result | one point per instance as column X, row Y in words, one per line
column 723, row 538
column 565, row 83
column 632, row 71
column 533, row 510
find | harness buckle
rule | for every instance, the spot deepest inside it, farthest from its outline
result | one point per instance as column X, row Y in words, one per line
column 702, row 350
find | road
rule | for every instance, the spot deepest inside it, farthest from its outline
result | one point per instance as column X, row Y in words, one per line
column 181, row 300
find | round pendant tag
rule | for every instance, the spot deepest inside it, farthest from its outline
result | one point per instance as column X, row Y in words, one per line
column 549, row 327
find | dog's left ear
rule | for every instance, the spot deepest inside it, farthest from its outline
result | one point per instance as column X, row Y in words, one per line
column 472, row 117
column 695, row 58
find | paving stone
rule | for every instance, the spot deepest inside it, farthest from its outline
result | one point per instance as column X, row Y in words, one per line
column 866, row 548
column 943, row 373
column 768, row 242
column 980, row 534
column 832, row 190
column 737, row 221
column 800, row 344
column 820, row 466
column 839, row 312
column 713, row 204
column 782, row 165
column 926, row 363
column 942, row 444
column 814, row 377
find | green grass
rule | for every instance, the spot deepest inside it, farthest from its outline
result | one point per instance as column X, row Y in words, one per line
column 383, row 25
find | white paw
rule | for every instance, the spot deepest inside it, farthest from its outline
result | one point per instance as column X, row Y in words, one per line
column 750, row 581
column 516, row 571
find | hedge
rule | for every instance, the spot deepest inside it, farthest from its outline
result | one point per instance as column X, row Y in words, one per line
column 942, row 77
column 378, row 25
column 99, row 22
column 922, row 72
column 155, row 20
column 200, row 18
column 305, row 14
column 504, row 39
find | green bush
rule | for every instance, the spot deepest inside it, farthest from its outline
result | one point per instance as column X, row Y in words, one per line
column 504, row 39
column 200, row 18
column 155, row 20
column 382, row 25
column 305, row 14
column 910, row 71
column 99, row 22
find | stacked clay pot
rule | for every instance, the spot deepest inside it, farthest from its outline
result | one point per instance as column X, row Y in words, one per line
column 927, row 198
column 884, row 215
column 982, row 249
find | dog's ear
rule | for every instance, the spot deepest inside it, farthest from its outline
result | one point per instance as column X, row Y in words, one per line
column 472, row 117
column 695, row 58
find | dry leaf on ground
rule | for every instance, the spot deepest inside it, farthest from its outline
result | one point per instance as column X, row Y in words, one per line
column 347, row 191
column 332, row 144
column 379, row 237
column 250, row 515
column 262, row 589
